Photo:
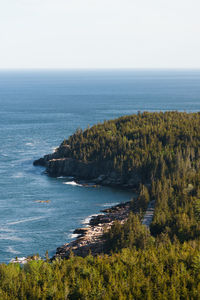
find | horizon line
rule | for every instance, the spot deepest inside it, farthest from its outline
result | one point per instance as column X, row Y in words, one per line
column 100, row 69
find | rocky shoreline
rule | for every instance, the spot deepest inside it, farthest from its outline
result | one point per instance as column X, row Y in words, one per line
column 90, row 239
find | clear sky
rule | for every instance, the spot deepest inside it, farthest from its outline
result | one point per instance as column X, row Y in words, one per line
column 99, row 34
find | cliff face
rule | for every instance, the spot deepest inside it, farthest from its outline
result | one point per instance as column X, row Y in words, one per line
column 60, row 164
column 129, row 150
column 79, row 169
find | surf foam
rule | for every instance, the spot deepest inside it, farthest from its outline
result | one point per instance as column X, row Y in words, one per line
column 25, row 220
column 109, row 204
column 68, row 177
column 87, row 220
column 20, row 260
column 55, row 149
column 73, row 235
column 11, row 238
column 72, row 183
column 11, row 250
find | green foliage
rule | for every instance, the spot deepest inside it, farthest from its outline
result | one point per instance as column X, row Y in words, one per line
column 160, row 271
column 129, row 235
column 197, row 209
column 160, row 263
column 144, row 197
column 154, row 144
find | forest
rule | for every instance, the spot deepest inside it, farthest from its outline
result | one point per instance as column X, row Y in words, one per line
column 162, row 262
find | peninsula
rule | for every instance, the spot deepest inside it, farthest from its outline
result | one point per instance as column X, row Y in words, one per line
column 148, row 248
column 149, row 153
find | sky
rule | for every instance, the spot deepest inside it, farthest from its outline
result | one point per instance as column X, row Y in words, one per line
column 67, row 34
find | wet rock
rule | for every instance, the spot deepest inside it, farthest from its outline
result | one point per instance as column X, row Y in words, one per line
column 91, row 239
column 39, row 162
column 80, row 231
column 42, row 201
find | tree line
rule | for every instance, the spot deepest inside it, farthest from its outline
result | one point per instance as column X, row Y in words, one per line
column 137, row 263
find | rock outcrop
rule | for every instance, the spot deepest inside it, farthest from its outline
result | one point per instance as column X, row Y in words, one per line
column 91, row 239
column 62, row 151
column 60, row 163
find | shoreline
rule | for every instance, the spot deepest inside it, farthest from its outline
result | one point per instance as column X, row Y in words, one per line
column 90, row 174
column 90, row 239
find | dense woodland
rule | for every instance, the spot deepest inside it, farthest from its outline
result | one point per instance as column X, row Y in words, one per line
column 163, row 263
column 152, row 143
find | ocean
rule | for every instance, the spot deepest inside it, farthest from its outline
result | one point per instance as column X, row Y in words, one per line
column 38, row 109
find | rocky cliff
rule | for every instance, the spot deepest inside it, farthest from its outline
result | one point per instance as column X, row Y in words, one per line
column 60, row 163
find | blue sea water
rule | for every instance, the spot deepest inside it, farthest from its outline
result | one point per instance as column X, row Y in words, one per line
column 38, row 109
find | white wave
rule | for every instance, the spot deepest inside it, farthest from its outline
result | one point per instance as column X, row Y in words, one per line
column 68, row 177
column 11, row 238
column 6, row 229
column 20, row 260
column 25, row 220
column 109, row 204
column 72, row 183
column 29, row 144
column 87, row 220
column 73, row 235
column 11, row 250
column 54, row 149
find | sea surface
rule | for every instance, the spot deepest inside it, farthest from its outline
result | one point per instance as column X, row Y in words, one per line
column 38, row 109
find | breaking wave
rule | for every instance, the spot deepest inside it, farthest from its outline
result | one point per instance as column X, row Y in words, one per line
column 87, row 220
column 72, row 183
